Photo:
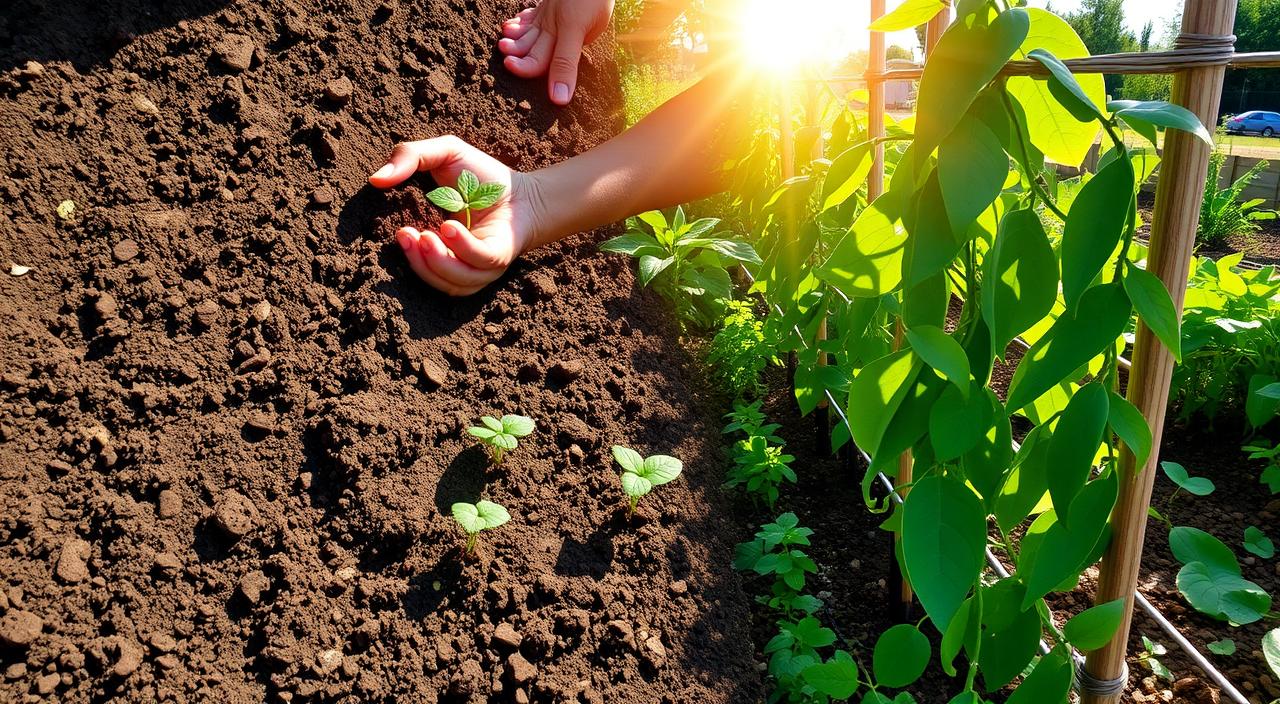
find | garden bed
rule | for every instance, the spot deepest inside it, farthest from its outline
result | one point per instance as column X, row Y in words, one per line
column 232, row 419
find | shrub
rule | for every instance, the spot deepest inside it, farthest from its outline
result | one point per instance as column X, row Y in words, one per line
column 1222, row 214
column 740, row 350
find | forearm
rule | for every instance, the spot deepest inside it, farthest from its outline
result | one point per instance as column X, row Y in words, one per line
column 674, row 155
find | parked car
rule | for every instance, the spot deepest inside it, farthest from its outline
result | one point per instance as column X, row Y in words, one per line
column 1254, row 122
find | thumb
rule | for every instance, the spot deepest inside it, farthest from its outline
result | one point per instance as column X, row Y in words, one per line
column 563, row 76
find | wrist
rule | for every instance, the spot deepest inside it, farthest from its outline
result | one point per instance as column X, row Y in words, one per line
column 530, row 189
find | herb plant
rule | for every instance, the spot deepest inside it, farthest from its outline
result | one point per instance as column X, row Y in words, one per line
column 684, row 261
column 501, row 435
column 1151, row 651
column 480, row 516
column 740, row 351
column 760, row 468
column 1222, row 213
column 469, row 195
column 749, row 419
column 641, row 474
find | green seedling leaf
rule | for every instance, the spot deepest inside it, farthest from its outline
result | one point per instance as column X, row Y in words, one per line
column 837, row 678
column 1094, row 226
column 448, row 198
column 1226, row 646
column 1093, row 628
column 1199, row 486
column 519, row 426
column 501, row 435
column 900, row 656
column 629, row 459
column 633, row 243
column 1126, row 421
column 1074, row 444
column 1271, row 650
column 1155, row 307
column 1144, row 115
column 911, row 13
column 639, row 476
column 944, row 536
column 467, row 184
column 1257, row 542
column 480, row 516
column 941, row 351
column 485, row 195
column 1020, row 278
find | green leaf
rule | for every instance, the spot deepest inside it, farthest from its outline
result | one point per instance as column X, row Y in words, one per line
column 1094, row 226
column 1048, row 683
column 956, row 424
column 518, row 426
column 1222, row 595
column 1075, row 443
column 966, row 58
column 492, row 423
column 633, row 243
column 837, row 678
column 867, row 261
column 1226, row 646
column 932, row 244
column 654, row 219
column 1064, row 553
column 961, row 633
column 504, row 441
column 1155, row 307
column 1194, row 545
column 1271, row 650
column 629, row 459
column 1028, row 481
column 1094, row 627
column 485, row 195
column 1127, row 422
column 1199, row 486
column 909, row 14
column 1257, row 542
column 972, row 167
column 809, row 631
column 944, row 536
column 447, row 198
column 1010, row 636
column 1100, row 318
column 940, row 351
column 736, row 250
column 492, row 514
column 634, row 485
column 1161, row 114
column 482, row 433
column 875, row 395
column 660, row 469
column 1052, row 128
column 1063, row 86
column 1020, row 278
column 1260, row 408
column 479, row 516
column 900, row 656
column 985, row 464
column 846, row 175
column 651, row 266
column 467, row 184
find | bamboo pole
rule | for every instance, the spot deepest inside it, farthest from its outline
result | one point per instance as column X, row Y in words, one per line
column 1173, row 230
column 875, row 105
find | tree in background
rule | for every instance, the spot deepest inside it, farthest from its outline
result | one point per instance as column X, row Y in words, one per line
column 1100, row 24
column 1257, row 26
column 897, row 52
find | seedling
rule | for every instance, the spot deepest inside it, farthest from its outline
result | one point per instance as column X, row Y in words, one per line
column 482, row 515
column 640, row 475
column 469, row 195
column 1151, row 650
column 500, row 435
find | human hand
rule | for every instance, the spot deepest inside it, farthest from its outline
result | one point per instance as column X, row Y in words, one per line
column 457, row 260
column 549, row 39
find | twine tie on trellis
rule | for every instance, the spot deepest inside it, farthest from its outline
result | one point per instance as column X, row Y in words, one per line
column 1086, row 683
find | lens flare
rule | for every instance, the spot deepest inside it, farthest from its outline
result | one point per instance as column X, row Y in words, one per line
column 783, row 36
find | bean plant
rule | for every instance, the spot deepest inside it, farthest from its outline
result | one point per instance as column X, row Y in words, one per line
column 501, row 435
column 469, row 195
column 475, row 518
column 641, row 474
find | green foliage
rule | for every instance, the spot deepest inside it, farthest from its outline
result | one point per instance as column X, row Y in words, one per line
column 501, row 435
column 1222, row 213
column 641, row 474
column 1226, row 646
column 1257, row 542
column 1198, row 486
column 740, row 350
column 1152, row 650
column 760, row 468
column 749, row 419
column 469, row 195
column 1271, row 650
column 684, row 261
column 480, row 516
column 1211, row 581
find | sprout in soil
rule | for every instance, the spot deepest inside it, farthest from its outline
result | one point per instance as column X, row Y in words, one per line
column 482, row 515
column 500, row 435
column 469, row 195
column 640, row 475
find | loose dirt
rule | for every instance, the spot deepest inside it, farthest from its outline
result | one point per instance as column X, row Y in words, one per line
column 231, row 420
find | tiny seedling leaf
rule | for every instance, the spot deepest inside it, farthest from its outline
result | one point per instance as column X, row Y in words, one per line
column 486, row 195
column 482, row 515
column 447, row 198
column 630, row 460
column 1257, row 542
column 467, row 184
column 1226, row 646
column 518, row 426
column 1199, row 486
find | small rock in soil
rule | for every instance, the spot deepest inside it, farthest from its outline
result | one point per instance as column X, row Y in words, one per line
column 434, row 373
column 129, row 660
column 235, row 514
column 235, row 51
column 655, row 652
column 1193, row 690
column 125, row 250
column 253, row 584
column 322, row 197
column 167, row 564
column 169, row 504
column 521, row 670
column 506, row 635
column 440, row 82
column 339, row 90
column 163, row 642
column 566, row 371
column 261, row 311
column 679, row 587
column 47, row 683
column 327, row 661
column 543, row 285
column 18, row 628
column 71, row 567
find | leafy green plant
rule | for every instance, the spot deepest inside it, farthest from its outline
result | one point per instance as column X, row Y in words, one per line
column 1222, row 213
column 1271, row 473
column 749, row 419
column 761, row 468
column 502, row 436
column 641, row 474
column 684, row 261
column 1271, row 650
column 1211, row 580
column 1182, row 479
column 1257, row 542
column 1151, row 651
column 480, row 516
column 774, row 552
column 469, row 195
column 740, row 351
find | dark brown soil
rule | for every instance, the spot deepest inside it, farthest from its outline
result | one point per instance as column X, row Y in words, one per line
column 231, row 420
column 1261, row 247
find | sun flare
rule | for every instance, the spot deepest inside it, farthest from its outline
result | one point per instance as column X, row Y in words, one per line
column 783, row 36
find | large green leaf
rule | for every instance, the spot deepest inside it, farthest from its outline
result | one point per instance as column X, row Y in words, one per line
column 1053, row 129
column 1127, row 422
column 837, row 678
column 1049, row 683
column 1020, row 278
column 1010, row 634
column 1063, row 552
column 940, row 351
column 961, row 634
column 965, row 60
column 867, row 261
column 932, row 244
column 986, row 463
column 972, row 167
column 1271, row 650
column 944, row 536
column 1075, row 442
column 1194, row 545
column 1027, row 483
column 900, row 656
column 956, row 423
column 1095, row 223
column 1100, row 318
column 875, row 394
column 1094, row 627
column 1222, row 595
column 1155, row 307
column 910, row 13
column 1160, row 114
column 1064, row 87
column 846, row 175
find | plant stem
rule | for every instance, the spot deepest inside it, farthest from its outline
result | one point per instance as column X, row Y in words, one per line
column 1025, row 161
column 468, row 213
column 471, row 543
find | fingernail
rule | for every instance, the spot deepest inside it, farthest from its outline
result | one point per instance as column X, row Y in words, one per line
column 447, row 229
column 560, row 93
column 384, row 171
column 404, row 240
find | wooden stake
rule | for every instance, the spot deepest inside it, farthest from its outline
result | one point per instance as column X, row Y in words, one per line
column 875, row 104
column 1173, row 233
